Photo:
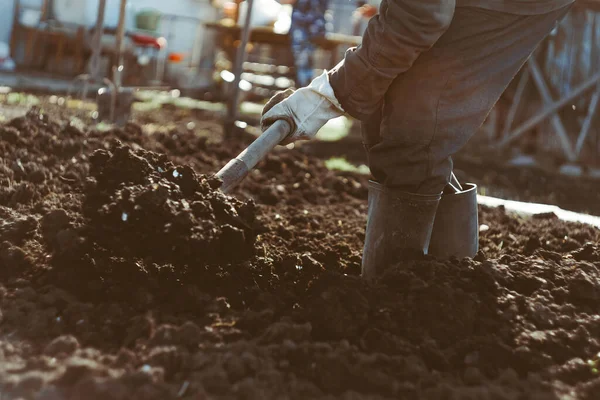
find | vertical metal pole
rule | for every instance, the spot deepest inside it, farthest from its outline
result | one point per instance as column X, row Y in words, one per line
column 238, row 69
column 94, row 65
column 162, row 54
column 120, row 42
column 118, row 68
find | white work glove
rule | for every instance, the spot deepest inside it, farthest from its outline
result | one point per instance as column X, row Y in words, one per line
column 306, row 110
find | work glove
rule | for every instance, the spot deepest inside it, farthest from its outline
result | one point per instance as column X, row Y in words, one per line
column 306, row 110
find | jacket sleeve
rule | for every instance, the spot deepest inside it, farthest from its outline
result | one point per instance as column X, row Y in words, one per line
column 394, row 38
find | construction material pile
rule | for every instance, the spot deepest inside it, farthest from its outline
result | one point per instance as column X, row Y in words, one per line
column 125, row 275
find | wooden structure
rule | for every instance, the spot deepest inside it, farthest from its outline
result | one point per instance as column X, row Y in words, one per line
column 230, row 36
column 269, row 66
column 47, row 42
column 551, row 106
column 50, row 43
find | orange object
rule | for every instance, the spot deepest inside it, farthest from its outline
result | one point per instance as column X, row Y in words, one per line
column 176, row 57
column 142, row 40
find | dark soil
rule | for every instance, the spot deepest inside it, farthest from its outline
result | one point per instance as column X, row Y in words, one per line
column 125, row 275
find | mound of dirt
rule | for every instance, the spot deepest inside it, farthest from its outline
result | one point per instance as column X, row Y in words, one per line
column 142, row 205
column 125, row 274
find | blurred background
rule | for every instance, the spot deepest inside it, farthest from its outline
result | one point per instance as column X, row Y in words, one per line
column 114, row 57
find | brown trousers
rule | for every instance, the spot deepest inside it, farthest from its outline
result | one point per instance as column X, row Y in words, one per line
column 431, row 110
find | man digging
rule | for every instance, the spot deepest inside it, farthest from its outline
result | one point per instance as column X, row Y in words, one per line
column 427, row 74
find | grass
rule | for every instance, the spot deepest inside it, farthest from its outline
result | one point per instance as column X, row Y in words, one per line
column 145, row 106
column 594, row 364
column 19, row 99
column 78, row 123
column 103, row 126
column 335, row 129
column 148, row 100
column 341, row 164
column 77, row 104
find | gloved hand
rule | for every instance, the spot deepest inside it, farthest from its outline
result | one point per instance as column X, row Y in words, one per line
column 306, row 109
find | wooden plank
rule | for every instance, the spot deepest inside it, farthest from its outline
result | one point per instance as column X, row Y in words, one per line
column 585, row 129
column 512, row 112
column 265, row 34
column 491, row 124
column 549, row 110
column 570, row 61
column 596, row 66
column 540, row 82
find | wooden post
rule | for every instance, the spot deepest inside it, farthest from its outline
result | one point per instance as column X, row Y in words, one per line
column 512, row 112
column 94, row 63
column 118, row 68
column 238, row 69
column 15, row 30
column 587, row 123
column 540, row 82
column 44, row 11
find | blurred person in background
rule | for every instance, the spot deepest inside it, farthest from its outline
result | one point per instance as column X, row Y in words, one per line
column 308, row 23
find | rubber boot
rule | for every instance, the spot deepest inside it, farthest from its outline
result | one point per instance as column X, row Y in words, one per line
column 456, row 228
column 398, row 222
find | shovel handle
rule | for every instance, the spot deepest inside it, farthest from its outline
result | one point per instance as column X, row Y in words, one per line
column 237, row 169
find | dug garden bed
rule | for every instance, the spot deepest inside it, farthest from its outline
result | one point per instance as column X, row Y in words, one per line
column 124, row 274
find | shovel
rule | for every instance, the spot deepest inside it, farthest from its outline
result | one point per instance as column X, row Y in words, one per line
column 237, row 169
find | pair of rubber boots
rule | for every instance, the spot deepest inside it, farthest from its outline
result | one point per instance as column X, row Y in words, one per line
column 400, row 224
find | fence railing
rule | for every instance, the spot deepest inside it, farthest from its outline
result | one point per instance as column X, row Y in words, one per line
column 552, row 103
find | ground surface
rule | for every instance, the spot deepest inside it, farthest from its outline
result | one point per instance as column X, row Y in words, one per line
column 124, row 275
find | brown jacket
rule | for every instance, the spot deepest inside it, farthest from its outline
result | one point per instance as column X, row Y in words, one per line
column 401, row 31
column 523, row 7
